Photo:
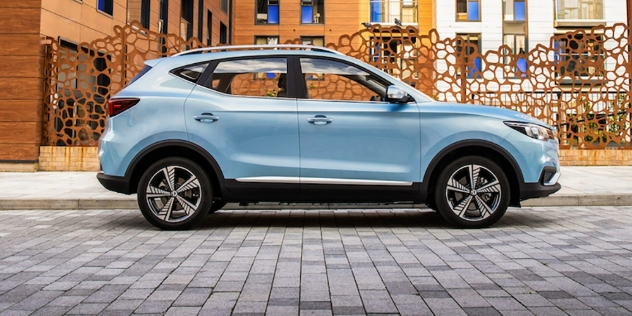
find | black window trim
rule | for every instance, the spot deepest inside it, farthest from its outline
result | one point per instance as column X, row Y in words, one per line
column 296, row 83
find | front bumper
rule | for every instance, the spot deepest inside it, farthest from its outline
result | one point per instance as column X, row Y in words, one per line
column 114, row 183
column 545, row 187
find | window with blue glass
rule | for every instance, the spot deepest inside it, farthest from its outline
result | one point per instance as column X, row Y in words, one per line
column 106, row 6
column 388, row 11
column 267, row 12
column 516, row 62
column 312, row 11
column 468, row 49
column 468, row 10
column 579, row 56
column 514, row 10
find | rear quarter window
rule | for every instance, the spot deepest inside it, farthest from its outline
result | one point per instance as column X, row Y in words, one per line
column 191, row 72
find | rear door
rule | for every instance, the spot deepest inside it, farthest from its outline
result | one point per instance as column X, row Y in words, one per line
column 243, row 117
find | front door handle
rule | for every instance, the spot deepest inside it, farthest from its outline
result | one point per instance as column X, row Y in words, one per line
column 320, row 120
column 206, row 118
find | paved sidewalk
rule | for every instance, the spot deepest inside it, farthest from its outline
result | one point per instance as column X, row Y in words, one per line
column 535, row 261
column 581, row 186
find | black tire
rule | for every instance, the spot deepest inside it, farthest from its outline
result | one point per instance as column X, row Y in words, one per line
column 216, row 206
column 174, row 193
column 466, row 208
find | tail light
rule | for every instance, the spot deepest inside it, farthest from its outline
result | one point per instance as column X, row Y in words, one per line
column 116, row 106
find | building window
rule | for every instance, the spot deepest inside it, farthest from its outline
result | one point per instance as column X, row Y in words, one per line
column 163, row 17
column 224, row 5
column 516, row 63
column 106, row 6
column 467, row 50
column 312, row 11
column 468, row 10
column 579, row 9
column 514, row 10
column 209, row 28
column 186, row 19
column 579, row 55
column 387, row 11
column 266, row 40
column 313, row 40
column 223, row 33
column 145, row 9
column 267, row 12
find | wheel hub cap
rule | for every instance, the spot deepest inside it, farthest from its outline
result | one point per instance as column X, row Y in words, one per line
column 473, row 192
column 173, row 194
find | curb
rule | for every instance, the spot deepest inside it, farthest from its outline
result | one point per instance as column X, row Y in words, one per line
column 107, row 204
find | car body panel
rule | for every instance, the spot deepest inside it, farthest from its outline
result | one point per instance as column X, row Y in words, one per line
column 381, row 141
column 157, row 117
column 253, row 137
column 467, row 124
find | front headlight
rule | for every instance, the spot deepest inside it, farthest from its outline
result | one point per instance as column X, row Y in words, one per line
column 533, row 130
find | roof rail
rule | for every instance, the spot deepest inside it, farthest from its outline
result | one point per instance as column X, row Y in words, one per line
column 265, row 46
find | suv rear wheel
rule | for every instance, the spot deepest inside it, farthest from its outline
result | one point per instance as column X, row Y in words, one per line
column 174, row 193
column 472, row 192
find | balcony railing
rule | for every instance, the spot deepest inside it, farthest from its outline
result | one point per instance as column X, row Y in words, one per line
column 578, row 13
column 386, row 11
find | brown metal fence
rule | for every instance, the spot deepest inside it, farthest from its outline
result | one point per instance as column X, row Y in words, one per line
column 579, row 83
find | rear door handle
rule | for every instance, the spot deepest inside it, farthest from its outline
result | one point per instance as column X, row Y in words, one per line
column 320, row 120
column 206, row 118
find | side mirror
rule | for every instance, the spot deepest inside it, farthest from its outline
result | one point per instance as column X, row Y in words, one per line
column 396, row 95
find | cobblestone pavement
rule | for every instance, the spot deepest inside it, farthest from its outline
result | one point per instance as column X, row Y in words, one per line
column 542, row 261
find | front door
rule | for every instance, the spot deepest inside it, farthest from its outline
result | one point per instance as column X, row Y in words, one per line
column 349, row 136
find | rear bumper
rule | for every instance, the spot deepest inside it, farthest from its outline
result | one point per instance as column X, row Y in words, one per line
column 114, row 183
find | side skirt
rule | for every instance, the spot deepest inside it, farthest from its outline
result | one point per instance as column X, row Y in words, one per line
column 252, row 192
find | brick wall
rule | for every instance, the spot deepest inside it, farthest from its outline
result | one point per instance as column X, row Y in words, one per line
column 68, row 158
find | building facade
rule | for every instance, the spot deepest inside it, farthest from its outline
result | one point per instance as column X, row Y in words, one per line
column 25, row 23
column 522, row 25
column 319, row 22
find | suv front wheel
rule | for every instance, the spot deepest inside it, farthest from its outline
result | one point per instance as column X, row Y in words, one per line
column 472, row 192
column 174, row 193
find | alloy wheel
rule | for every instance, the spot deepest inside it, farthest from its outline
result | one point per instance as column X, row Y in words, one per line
column 473, row 192
column 173, row 194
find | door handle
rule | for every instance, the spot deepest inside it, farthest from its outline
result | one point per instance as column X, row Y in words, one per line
column 320, row 120
column 206, row 118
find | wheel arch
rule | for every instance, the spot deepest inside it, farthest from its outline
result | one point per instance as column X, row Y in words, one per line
column 174, row 148
column 481, row 148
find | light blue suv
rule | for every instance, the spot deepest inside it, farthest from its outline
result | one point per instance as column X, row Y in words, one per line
column 294, row 123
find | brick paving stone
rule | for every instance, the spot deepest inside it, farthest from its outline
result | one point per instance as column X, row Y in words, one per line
column 88, row 308
column 124, row 305
column 536, row 261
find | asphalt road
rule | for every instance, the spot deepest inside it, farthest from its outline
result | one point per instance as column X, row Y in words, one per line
column 535, row 261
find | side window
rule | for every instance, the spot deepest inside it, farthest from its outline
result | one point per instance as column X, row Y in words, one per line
column 190, row 72
column 332, row 80
column 265, row 77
